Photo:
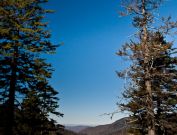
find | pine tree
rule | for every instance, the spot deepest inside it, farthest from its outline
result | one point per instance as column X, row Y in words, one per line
column 33, row 118
column 151, row 71
column 23, row 38
column 164, row 85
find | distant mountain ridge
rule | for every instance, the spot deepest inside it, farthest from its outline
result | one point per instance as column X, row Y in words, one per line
column 76, row 129
column 116, row 128
column 119, row 127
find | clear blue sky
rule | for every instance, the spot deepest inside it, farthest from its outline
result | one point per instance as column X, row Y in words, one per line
column 85, row 65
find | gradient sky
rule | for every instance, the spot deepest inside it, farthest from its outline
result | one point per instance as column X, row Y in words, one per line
column 92, row 31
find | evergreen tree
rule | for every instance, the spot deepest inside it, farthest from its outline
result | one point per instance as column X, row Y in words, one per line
column 33, row 118
column 23, row 38
column 152, row 73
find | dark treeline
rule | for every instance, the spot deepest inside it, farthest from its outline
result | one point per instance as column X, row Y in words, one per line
column 151, row 91
column 26, row 97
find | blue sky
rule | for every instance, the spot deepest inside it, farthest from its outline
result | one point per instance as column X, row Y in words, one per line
column 92, row 31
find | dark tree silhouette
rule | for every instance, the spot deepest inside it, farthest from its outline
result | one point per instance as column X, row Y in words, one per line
column 23, row 39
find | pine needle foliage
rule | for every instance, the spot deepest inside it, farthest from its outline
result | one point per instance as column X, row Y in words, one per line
column 24, row 74
column 151, row 92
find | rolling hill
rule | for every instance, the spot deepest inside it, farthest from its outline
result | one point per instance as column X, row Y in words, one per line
column 76, row 129
column 117, row 128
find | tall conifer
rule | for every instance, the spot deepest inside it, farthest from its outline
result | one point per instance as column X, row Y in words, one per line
column 23, row 38
column 153, row 71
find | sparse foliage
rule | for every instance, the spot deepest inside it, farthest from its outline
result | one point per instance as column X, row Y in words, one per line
column 151, row 92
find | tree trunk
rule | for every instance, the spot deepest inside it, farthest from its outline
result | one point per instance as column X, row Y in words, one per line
column 151, row 131
column 11, row 100
column 150, row 109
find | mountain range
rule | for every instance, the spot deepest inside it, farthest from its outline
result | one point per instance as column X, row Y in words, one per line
column 119, row 127
column 77, row 129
